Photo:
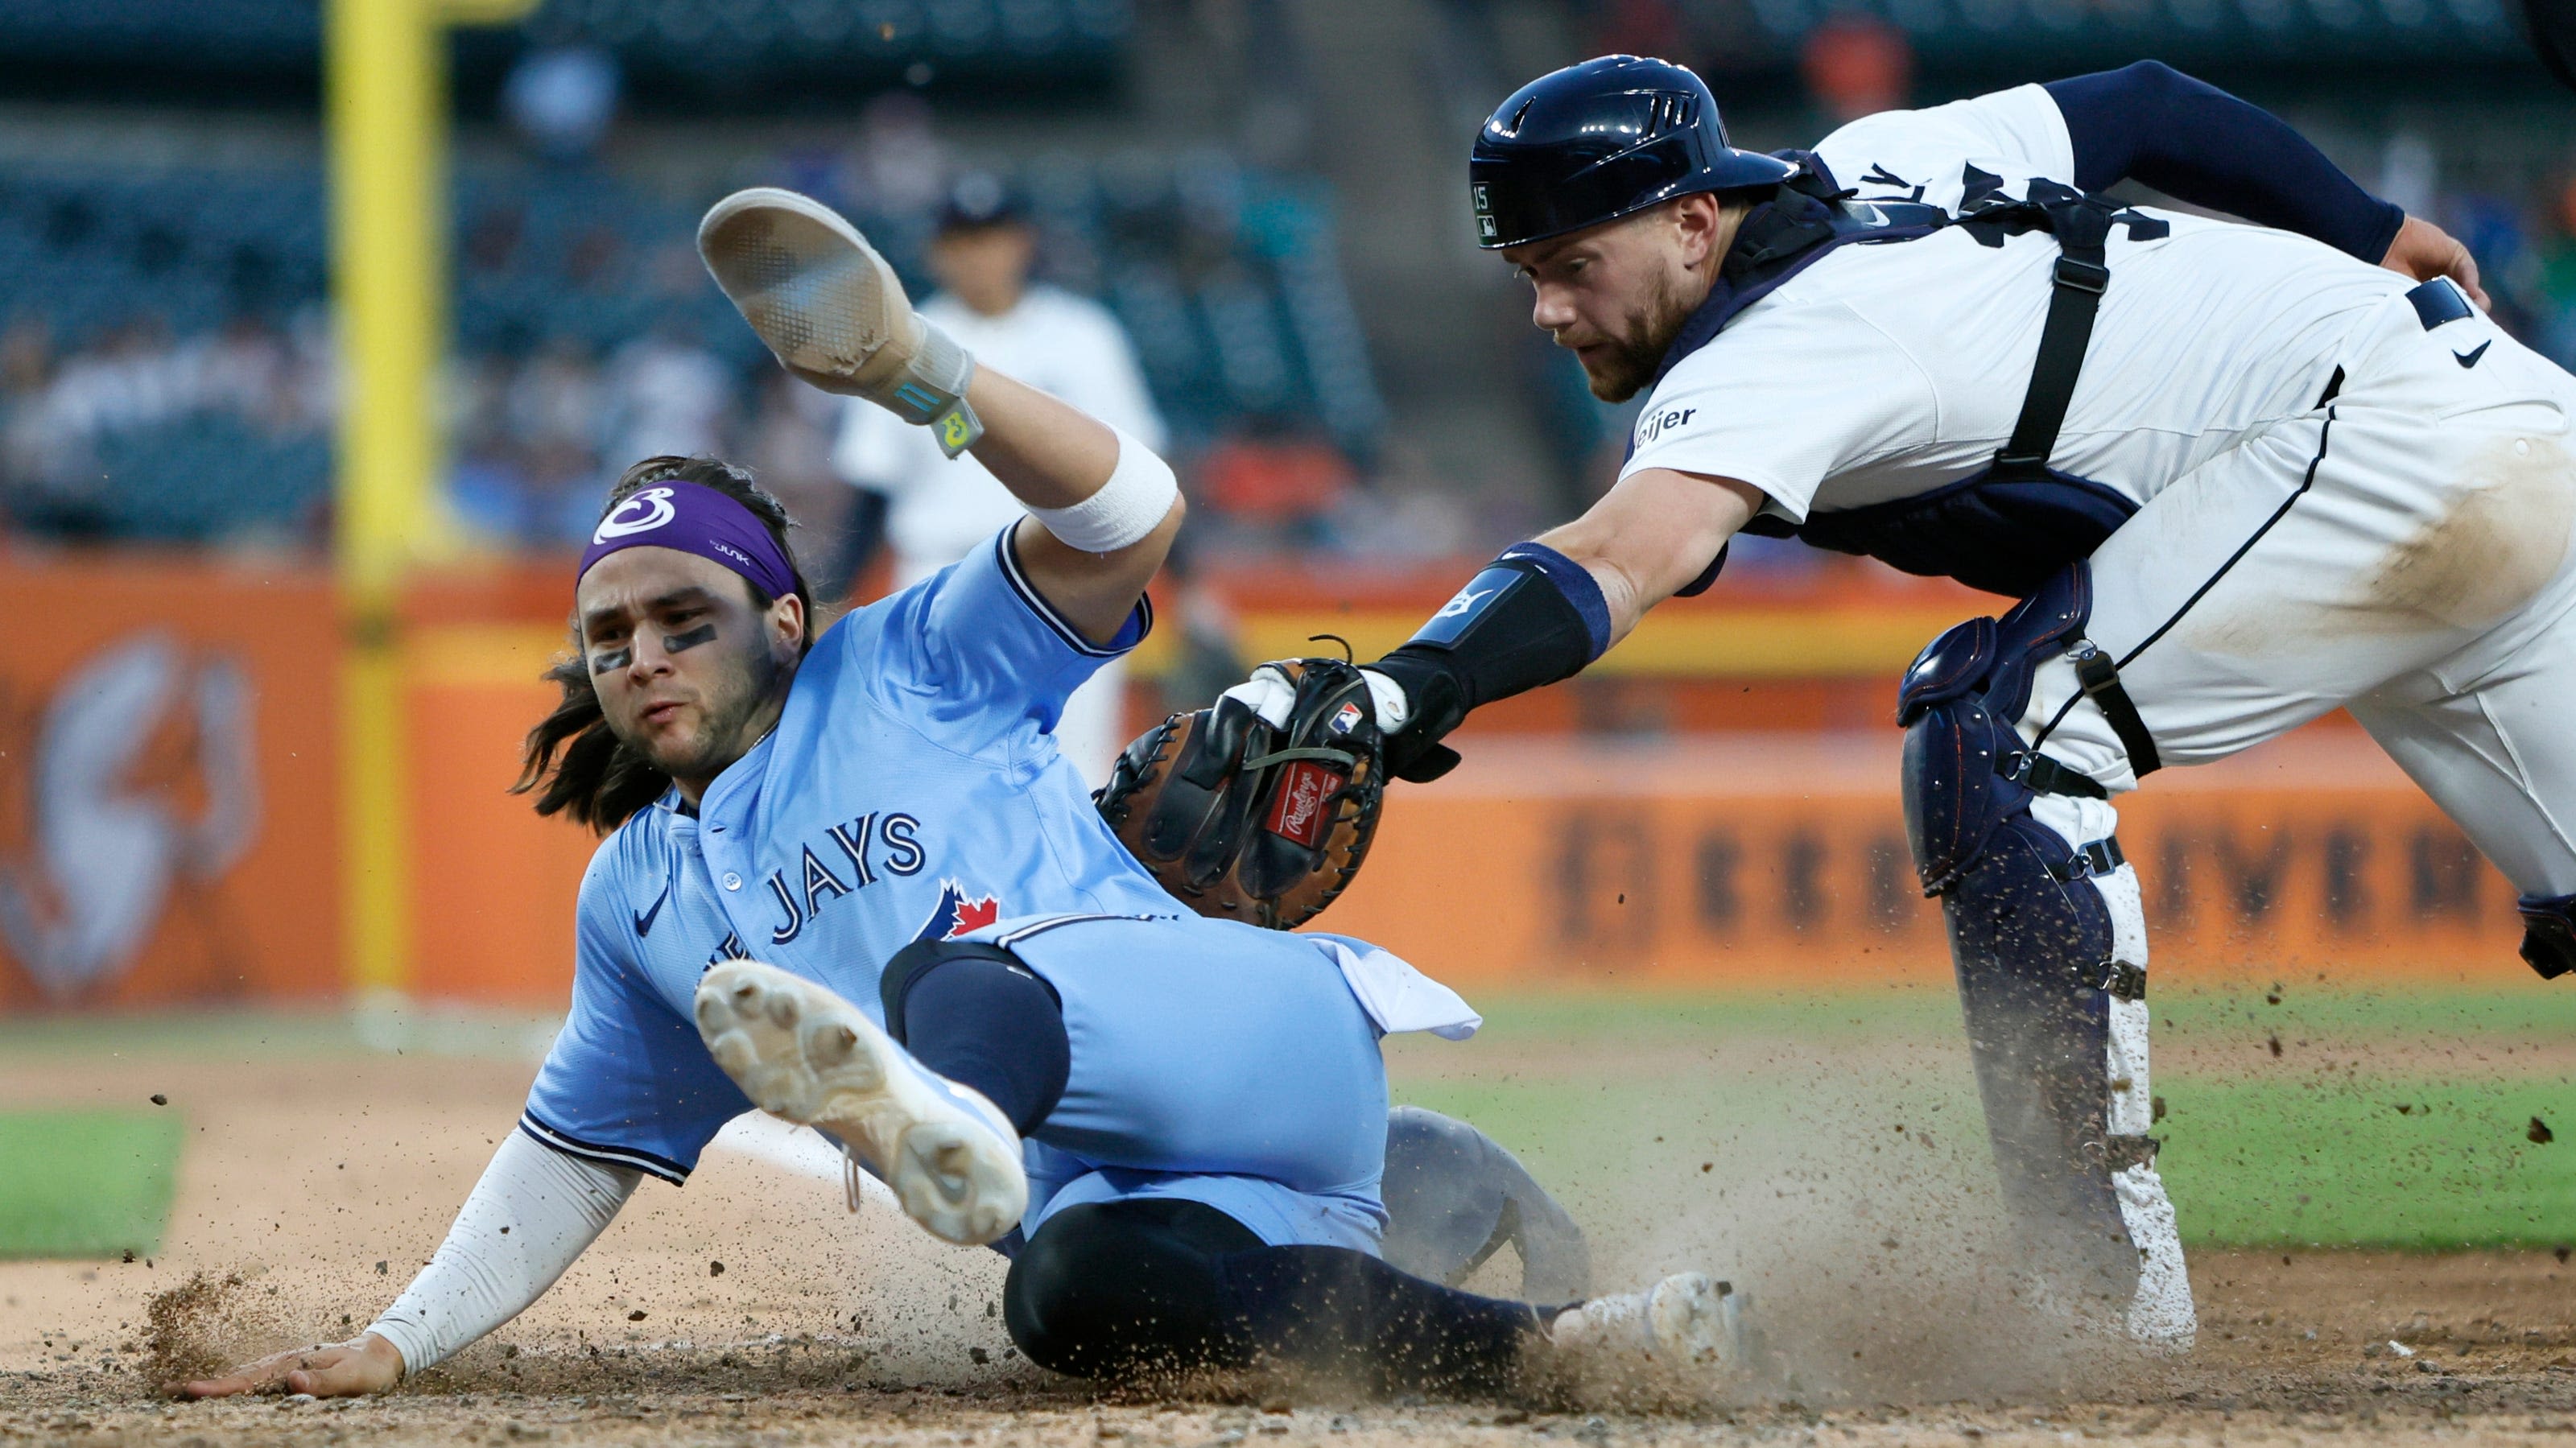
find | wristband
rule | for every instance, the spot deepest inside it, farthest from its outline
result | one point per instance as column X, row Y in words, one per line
column 929, row 390
column 1127, row 508
column 1531, row 617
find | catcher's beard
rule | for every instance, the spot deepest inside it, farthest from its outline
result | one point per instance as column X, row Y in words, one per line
column 1627, row 362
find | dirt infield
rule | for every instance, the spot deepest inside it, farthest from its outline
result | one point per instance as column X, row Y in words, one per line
column 313, row 1187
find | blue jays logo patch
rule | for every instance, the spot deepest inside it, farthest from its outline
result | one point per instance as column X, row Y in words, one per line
column 958, row 913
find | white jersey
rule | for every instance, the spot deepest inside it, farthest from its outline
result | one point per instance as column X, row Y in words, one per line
column 1886, row 371
column 1053, row 341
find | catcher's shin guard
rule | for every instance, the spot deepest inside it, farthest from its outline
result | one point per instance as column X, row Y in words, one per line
column 2048, row 936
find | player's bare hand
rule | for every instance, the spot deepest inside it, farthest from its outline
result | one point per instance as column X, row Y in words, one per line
column 2425, row 251
column 367, row 1364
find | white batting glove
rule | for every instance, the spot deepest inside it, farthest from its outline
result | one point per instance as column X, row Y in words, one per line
column 1269, row 694
column 833, row 312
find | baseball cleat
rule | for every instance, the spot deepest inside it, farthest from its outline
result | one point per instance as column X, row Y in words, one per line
column 1687, row 1319
column 831, row 309
column 802, row 1053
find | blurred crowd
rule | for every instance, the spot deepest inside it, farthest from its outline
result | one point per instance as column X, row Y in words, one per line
column 68, row 415
column 538, row 420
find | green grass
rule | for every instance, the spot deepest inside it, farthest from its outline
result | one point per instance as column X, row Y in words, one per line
column 85, row 1183
column 1604, row 1092
column 2261, row 1163
column 2306, row 1147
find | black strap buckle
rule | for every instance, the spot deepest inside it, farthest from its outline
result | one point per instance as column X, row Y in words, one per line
column 2100, row 857
column 2099, row 677
column 2034, row 770
column 2082, row 276
column 2125, row 982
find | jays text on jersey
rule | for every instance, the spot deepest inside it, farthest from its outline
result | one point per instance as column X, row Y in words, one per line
column 905, row 793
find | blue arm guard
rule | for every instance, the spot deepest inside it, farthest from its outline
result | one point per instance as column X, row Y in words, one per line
column 1532, row 617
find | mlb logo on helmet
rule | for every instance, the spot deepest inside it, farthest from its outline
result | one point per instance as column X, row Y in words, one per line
column 958, row 913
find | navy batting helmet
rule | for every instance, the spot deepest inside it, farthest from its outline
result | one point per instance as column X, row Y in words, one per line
column 1596, row 141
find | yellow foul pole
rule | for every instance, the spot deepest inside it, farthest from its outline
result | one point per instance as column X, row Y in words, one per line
column 385, row 101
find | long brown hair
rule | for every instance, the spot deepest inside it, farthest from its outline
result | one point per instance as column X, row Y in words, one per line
column 571, row 760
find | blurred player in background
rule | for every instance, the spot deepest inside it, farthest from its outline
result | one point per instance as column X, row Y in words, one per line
column 938, row 509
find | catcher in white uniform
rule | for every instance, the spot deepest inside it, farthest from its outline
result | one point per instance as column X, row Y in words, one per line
column 2236, row 476
column 940, row 508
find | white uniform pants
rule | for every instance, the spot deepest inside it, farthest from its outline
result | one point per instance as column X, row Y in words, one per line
column 2402, row 551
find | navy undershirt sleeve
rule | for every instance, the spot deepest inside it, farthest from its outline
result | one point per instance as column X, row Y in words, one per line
column 2196, row 143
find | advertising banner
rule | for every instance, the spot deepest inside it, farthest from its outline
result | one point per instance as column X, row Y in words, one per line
column 170, row 817
column 167, row 783
column 1782, row 861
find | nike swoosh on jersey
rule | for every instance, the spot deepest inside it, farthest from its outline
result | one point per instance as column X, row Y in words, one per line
column 644, row 922
column 2470, row 357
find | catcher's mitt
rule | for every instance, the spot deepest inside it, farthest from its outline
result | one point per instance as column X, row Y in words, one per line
column 1245, row 821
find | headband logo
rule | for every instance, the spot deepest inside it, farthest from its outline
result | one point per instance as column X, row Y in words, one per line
column 623, row 521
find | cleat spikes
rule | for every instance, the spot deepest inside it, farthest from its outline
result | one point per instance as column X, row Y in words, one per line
column 800, row 1052
column 831, row 1045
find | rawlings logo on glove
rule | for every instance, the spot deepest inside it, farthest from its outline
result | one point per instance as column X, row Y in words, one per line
column 1261, row 808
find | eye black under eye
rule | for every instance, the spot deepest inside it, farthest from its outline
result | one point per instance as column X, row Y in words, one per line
column 610, row 660
column 694, row 637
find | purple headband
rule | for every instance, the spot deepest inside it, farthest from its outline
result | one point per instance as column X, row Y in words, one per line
column 695, row 519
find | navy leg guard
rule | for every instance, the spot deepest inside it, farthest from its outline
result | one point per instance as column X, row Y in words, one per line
column 1455, row 1197
column 2032, row 951
column 2049, row 941
column 2549, row 934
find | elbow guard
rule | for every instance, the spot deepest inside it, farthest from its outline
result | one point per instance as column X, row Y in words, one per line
column 1531, row 617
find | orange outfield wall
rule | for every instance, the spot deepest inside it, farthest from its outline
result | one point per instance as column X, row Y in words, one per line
column 1755, row 861
column 168, row 814
column 1752, row 861
column 1781, row 861
column 167, row 782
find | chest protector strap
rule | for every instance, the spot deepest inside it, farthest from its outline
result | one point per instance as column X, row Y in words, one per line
column 2017, row 522
column 2083, row 229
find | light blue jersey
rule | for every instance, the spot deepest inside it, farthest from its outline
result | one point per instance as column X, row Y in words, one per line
column 912, row 790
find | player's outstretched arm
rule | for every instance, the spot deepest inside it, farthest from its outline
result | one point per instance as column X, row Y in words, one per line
column 533, row 1212
column 365, row 1364
column 1651, row 536
column 831, row 309
column 1103, row 508
column 1540, row 612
